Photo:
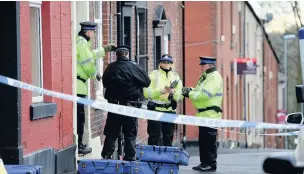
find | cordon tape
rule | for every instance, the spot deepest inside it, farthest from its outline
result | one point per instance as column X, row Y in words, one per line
column 154, row 115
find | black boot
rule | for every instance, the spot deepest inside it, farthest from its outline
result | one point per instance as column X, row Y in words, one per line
column 86, row 146
column 83, row 149
column 205, row 168
column 106, row 157
column 129, row 159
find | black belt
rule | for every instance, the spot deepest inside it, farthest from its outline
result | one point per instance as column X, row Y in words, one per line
column 163, row 105
column 152, row 105
column 131, row 103
column 117, row 102
column 79, row 78
column 214, row 108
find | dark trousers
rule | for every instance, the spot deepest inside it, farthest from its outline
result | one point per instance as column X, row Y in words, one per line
column 80, row 119
column 112, row 129
column 156, row 128
column 208, row 145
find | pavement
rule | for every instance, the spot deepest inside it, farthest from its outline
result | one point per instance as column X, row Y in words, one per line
column 235, row 161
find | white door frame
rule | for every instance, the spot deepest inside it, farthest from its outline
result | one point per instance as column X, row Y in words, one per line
column 79, row 12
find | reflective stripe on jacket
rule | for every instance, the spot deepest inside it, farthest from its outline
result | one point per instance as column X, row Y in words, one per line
column 208, row 93
column 160, row 79
column 86, row 62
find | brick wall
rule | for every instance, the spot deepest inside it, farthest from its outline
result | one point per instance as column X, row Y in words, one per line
column 218, row 20
column 57, row 131
column 197, row 31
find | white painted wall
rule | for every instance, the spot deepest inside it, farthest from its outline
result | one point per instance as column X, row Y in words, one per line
column 74, row 81
column 80, row 13
column 254, row 49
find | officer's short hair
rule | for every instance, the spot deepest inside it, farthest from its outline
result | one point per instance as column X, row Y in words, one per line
column 122, row 50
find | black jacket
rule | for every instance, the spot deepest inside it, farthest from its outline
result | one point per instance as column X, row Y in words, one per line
column 124, row 81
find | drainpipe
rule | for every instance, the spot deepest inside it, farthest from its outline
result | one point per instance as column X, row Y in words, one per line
column 110, row 31
column 244, row 54
column 184, row 70
column 119, row 29
column 137, row 35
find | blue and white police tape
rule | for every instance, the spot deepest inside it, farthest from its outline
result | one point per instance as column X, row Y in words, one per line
column 147, row 114
column 294, row 133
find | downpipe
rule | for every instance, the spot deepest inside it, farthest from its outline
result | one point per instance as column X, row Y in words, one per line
column 184, row 140
column 120, row 142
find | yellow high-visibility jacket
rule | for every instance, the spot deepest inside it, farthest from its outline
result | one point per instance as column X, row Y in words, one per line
column 86, row 66
column 208, row 93
column 159, row 80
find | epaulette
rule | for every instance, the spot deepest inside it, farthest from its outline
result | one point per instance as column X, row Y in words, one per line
column 153, row 72
column 175, row 73
column 81, row 39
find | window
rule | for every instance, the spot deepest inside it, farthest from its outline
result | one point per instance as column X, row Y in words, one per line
column 127, row 33
column 158, row 44
column 36, row 49
column 142, row 38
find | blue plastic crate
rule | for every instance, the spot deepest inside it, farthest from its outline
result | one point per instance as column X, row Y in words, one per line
column 153, row 168
column 162, row 154
column 23, row 169
column 100, row 166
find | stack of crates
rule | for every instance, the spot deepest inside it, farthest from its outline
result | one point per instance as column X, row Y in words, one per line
column 166, row 160
column 152, row 160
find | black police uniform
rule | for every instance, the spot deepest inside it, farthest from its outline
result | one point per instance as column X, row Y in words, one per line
column 124, row 82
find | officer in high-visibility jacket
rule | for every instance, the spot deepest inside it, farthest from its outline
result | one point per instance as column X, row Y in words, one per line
column 86, row 68
column 207, row 99
column 163, row 94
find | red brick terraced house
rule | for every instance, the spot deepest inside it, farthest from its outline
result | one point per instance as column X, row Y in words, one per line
column 37, row 129
column 232, row 30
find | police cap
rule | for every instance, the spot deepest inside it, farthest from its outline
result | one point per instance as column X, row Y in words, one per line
column 88, row 25
column 124, row 48
column 207, row 60
column 166, row 58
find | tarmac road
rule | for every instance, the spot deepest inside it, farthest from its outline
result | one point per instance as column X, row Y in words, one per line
column 236, row 161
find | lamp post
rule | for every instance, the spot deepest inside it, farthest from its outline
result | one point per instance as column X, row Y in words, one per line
column 301, row 44
column 286, row 37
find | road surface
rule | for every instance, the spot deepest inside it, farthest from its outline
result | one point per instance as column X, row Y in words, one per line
column 236, row 161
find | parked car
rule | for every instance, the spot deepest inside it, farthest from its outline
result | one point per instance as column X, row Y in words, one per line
column 290, row 163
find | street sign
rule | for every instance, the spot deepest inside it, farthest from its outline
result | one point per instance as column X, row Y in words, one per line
column 246, row 65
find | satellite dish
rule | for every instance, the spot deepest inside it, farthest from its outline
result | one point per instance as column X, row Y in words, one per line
column 269, row 17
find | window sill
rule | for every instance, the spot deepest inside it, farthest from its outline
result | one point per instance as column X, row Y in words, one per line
column 42, row 110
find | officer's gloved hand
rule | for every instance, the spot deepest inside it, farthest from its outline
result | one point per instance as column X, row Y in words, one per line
column 185, row 91
column 98, row 76
column 109, row 48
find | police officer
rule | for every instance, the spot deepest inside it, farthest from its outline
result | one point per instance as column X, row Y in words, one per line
column 163, row 95
column 124, row 82
column 207, row 99
column 86, row 69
